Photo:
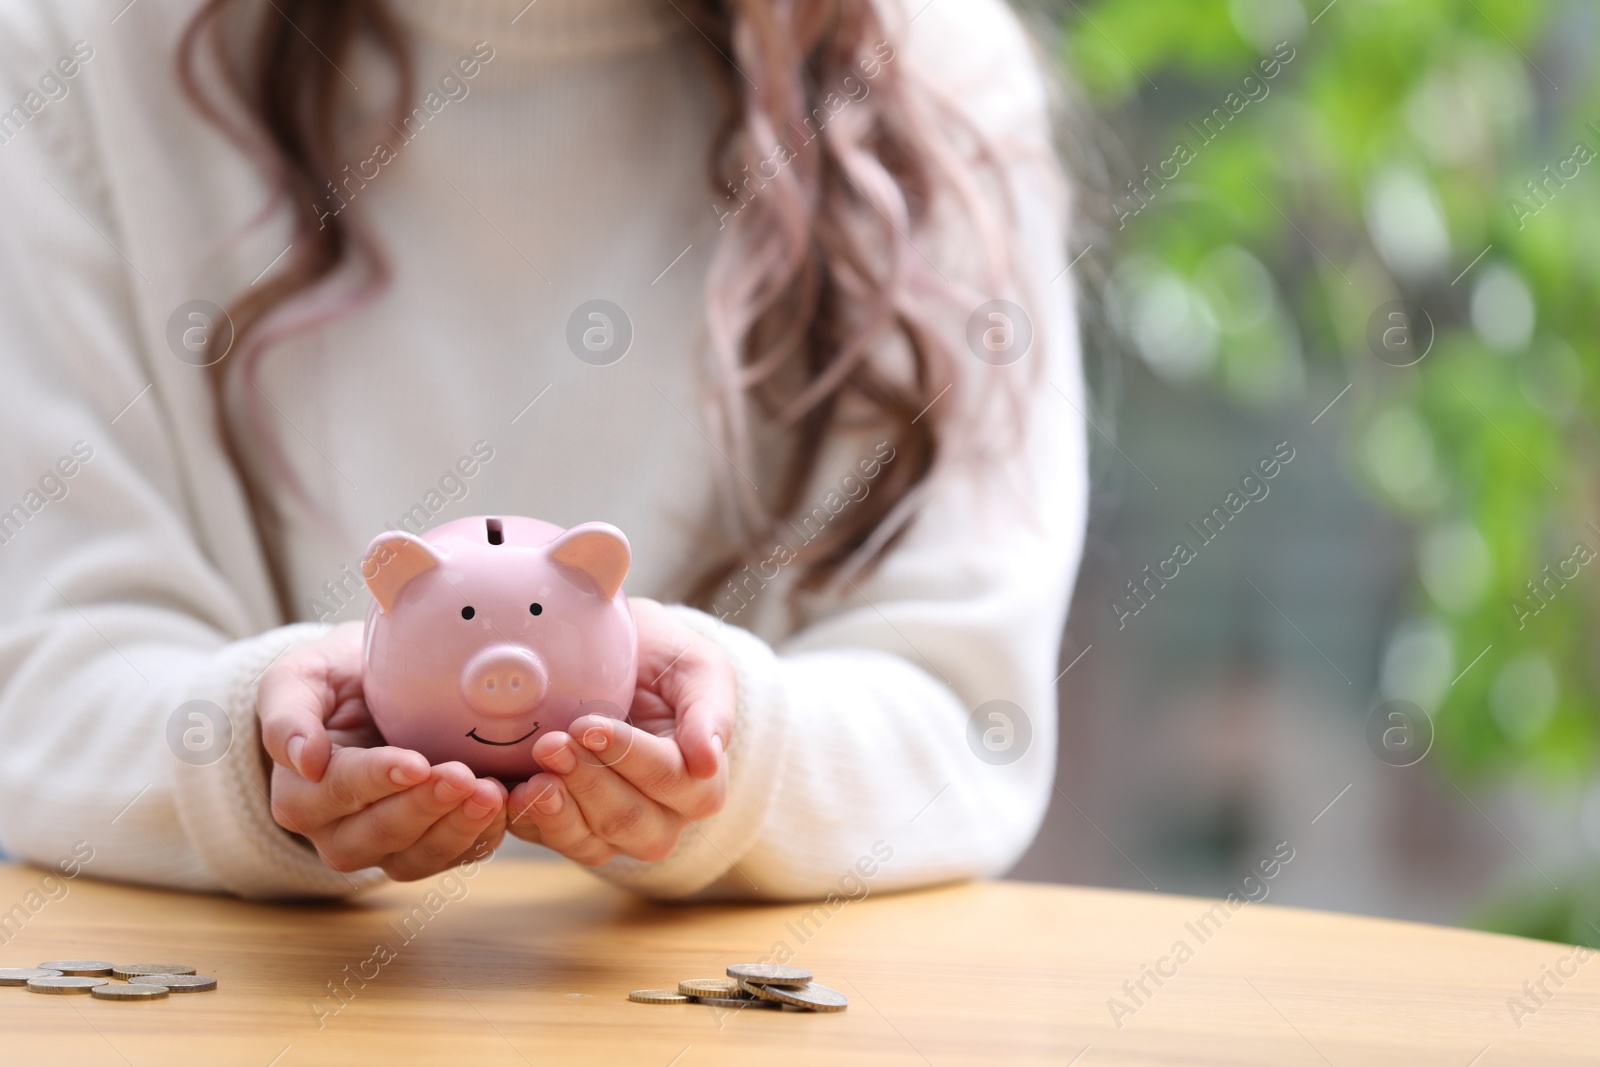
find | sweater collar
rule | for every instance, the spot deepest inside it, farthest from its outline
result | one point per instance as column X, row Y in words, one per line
column 555, row 29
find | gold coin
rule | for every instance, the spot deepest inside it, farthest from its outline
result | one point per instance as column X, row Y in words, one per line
column 90, row 968
column 709, row 987
column 178, row 983
column 20, row 975
column 736, row 1003
column 65, row 984
column 129, row 992
column 812, row 997
column 750, row 989
column 133, row 970
column 769, row 974
column 657, row 996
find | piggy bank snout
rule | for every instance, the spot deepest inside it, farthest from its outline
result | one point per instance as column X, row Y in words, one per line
column 503, row 680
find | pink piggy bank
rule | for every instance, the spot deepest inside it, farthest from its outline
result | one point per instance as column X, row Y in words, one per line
column 486, row 633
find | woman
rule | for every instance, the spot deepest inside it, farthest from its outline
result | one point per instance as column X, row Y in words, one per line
column 280, row 276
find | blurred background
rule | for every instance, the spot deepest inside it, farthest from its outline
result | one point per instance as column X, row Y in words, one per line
column 1361, row 233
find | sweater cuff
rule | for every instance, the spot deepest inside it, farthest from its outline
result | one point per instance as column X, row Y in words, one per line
column 711, row 848
column 223, row 801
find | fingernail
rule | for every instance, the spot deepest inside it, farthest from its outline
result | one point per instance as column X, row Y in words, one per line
column 405, row 775
column 549, row 802
column 716, row 743
column 477, row 809
column 595, row 740
column 444, row 789
column 562, row 761
column 297, row 745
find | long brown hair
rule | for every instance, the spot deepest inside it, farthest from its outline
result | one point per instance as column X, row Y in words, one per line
column 812, row 280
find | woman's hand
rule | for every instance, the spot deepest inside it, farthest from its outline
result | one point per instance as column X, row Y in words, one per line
column 360, row 802
column 611, row 788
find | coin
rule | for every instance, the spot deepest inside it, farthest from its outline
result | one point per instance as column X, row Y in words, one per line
column 133, row 970
column 129, row 992
column 737, row 1002
column 769, row 974
column 657, row 996
column 178, row 983
column 812, row 997
column 20, row 975
column 749, row 989
column 65, row 983
column 92, row 968
column 710, row 987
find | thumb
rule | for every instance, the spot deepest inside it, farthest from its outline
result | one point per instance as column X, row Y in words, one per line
column 704, row 693
column 293, row 702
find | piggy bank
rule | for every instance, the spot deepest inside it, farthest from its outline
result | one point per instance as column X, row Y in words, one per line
column 487, row 633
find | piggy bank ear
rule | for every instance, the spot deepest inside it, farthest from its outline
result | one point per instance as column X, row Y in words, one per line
column 392, row 560
column 593, row 556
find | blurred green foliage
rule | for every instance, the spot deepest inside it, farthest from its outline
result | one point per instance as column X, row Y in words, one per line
column 1390, row 158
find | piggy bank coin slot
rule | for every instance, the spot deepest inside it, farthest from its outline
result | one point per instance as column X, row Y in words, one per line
column 496, row 532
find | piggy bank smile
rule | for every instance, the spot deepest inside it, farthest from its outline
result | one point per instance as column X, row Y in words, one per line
column 485, row 631
column 473, row 733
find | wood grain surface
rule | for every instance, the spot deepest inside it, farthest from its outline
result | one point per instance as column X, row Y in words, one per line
column 531, row 963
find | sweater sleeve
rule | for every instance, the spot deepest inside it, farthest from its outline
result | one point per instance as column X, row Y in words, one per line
column 906, row 733
column 128, row 654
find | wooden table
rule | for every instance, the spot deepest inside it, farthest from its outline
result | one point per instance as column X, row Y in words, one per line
column 530, row 963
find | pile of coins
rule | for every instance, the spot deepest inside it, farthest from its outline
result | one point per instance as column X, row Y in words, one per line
column 750, row 985
column 143, row 981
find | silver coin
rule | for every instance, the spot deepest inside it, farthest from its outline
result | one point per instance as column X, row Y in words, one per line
column 129, row 992
column 133, row 970
column 769, row 974
column 812, row 997
column 65, row 984
column 20, row 975
column 91, row 968
column 178, row 983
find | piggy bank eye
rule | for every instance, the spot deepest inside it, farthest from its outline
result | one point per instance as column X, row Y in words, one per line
column 534, row 609
column 467, row 612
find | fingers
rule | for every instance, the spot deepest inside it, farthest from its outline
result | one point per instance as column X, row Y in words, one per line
column 614, row 810
column 293, row 711
column 611, row 788
column 705, row 694
column 652, row 765
column 372, row 833
column 692, row 676
column 542, row 810
column 449, row 840
column 355, row 778
column 297, row 695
